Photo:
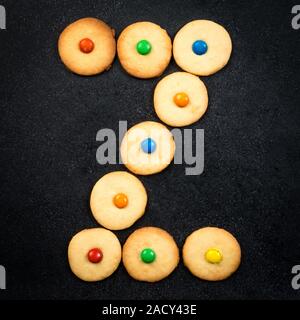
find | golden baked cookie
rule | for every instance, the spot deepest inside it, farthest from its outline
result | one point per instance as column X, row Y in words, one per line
column 180, row 99
column 117, row 200
column 94, row 254
column 147, row 148
column 87, row 46
column 144, row 49
column 211, row 253
column 202, row 47
column 150, row 254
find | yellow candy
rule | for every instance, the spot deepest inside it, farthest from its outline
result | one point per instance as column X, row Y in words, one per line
column 213, row 256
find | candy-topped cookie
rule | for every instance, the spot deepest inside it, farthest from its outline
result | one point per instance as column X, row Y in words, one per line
column 117, row 200
column 180, row 99
column 202, row 47
column 211, row 253
column 87, row 46
column 144, row 49
column 147, row 148
column 94, row 254
column 150, row 254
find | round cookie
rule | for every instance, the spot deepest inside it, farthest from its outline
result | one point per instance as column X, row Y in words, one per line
column 147, row 148
column 211, row 253
column 180, row 99
column 150, row 254
column 117, row 200
column 94, row 254
column 144, row 49
column 87, row 46
column 202, row 47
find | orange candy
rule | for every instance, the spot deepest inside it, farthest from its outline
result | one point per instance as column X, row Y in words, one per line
column 86, row 45
column 181, row 99
column 120, row 200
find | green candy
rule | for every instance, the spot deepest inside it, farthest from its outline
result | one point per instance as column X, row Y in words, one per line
column 148, row 255
column 143, row 47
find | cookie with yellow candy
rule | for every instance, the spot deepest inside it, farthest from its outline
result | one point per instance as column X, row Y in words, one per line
column 94, row 254
column 87, row 46
column 150, row 254
column 180, row 99
column 202, row 47
column 117, row 200
column 144, row 49
column 211, row 253
column 147, row 148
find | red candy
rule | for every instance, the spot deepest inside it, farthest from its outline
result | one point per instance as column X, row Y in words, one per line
column 86, row 45
column 95, row 255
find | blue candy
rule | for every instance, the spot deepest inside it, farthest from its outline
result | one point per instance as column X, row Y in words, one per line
column 199, row 47
column 148, row 145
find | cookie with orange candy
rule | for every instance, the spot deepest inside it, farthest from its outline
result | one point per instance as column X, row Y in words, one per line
column 117, row 200
column 180, row 99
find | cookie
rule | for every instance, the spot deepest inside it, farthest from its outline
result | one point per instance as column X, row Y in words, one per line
column 147, row 148
column 180, row 99
column 144, row 49
column 94, row 254
column 150, row 254
column 211, row 253
column 202, row 47
column 87, row 46
column 117, row 200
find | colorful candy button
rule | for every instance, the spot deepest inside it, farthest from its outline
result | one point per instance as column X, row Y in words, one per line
column 148, row 145
column 148, row 255
column 120, row 200
column 181, row 99
column 213, row 256
column 143, row 47
column 95, row 255
column 86, row 45
column 200, row 47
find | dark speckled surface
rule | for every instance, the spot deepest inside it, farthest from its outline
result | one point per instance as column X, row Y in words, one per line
column 50, row 117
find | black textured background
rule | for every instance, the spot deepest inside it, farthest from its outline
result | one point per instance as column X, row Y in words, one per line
column 50, row 117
